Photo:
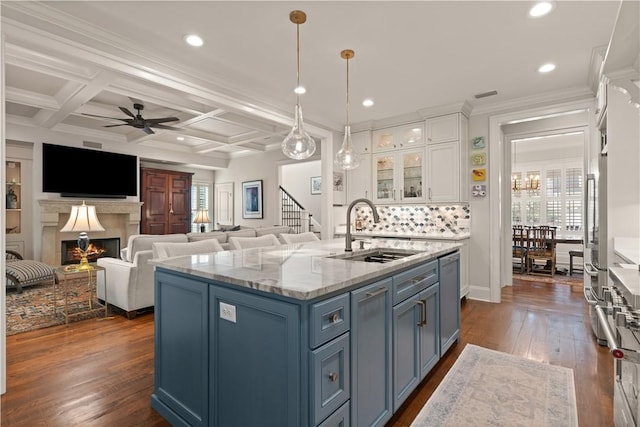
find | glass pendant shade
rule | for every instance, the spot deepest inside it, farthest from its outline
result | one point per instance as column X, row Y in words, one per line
column 298, row 144
column 347, row 158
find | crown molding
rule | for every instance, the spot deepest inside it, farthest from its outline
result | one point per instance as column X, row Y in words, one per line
column 575, row 94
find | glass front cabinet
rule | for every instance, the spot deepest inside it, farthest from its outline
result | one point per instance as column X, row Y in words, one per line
column 399, row 176
column 13, row 206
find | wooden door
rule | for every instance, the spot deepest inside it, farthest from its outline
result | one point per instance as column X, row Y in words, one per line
column 166, row 197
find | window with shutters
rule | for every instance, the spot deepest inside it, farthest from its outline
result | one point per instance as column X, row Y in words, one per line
column 200, row 199
column 557, row 201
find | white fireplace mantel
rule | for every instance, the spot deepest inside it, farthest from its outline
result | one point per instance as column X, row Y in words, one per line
column 120, row 218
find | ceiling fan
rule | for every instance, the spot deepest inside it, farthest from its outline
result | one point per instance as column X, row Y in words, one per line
column 139, row 122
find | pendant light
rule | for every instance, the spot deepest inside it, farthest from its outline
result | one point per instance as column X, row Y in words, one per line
column 298, row 144
column 347, row 158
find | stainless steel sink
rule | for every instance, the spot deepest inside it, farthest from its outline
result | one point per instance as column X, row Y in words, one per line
column 375, row 255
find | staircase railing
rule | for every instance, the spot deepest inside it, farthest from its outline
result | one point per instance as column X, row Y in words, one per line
column 293, row 213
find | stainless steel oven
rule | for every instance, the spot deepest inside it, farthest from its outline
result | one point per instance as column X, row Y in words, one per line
column 619, row 318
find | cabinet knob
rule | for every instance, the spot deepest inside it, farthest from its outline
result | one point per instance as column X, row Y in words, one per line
column 335, row 318
column 333, row 377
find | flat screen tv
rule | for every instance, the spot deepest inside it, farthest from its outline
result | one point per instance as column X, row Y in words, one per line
column 78, row 172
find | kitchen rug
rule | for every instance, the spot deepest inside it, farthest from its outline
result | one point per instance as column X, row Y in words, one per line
column 490, row 388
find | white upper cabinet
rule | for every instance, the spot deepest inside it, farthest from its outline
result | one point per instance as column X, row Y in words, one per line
column 398, row 137
column 361, row 142
column 447, row 159
column 399, row 176
column 443, row 129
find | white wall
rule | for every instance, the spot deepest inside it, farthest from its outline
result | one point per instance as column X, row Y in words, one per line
column 251, row 168
column 480, row 244
column 296, row 179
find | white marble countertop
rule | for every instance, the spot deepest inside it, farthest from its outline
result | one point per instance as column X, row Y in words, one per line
column 628, row 248
column 629, row 280
column 302, row 271
column 406, row 235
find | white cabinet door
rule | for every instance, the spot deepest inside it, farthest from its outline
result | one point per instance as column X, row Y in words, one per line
column 399, row 176
column 411, row 176
column 443, row 172
column 359, row 180
column 398, row 137
column 384, row 177
column 361, row 142
column 442, row 129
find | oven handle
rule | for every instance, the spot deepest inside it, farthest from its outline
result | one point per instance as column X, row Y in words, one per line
column 608, row 333
column 588, row 295
column 590, row 269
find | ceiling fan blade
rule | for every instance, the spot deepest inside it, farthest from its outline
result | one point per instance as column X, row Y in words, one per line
column 159, row 126
column 103, row 117
column 147, row 130
column 112, row 126
column 162, row 120
column 127, row 112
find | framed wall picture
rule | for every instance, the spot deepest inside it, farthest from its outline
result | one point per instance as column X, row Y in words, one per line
column 252, row 199
column 479, row 174
column 478, row 159
column 339, row 194
column 477, row 142
column 316, row 185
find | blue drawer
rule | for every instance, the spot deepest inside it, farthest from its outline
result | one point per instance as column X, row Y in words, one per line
column 330, row 383
column 340, row 418
column 329, row 319
column 413, row 281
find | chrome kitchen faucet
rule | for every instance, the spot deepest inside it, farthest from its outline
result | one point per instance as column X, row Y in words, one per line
column 376, row 218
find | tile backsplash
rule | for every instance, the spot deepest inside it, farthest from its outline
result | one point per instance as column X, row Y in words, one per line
column 416, row 219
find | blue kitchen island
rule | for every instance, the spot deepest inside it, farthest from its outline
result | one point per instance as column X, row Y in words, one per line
column 301, row 335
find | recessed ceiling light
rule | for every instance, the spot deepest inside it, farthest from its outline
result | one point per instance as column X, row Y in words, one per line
column 541, row 9
column 367, row 102
column 300, row 90
column 546, row 68
column 180, row 138
column 194, row 40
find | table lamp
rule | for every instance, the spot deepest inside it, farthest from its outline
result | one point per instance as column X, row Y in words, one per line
column 202, row 218
column 83, row 218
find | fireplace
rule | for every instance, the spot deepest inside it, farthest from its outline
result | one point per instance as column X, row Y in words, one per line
column 98, row 248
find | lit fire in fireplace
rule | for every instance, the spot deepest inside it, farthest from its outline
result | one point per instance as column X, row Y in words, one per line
column 93, row 252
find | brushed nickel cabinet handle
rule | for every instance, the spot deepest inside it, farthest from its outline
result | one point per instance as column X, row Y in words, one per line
column 421, row 320
column 333, row 377
column 170, row 208
column 424, row 307
column 334, row 318
column 376, row 292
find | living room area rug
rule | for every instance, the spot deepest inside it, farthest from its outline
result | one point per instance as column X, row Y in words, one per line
column 33, row 308
column 489, row 388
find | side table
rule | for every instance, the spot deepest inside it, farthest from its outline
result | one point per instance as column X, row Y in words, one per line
column 69, row 273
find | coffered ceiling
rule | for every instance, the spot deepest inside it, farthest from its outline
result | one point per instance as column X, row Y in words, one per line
column 233, row 96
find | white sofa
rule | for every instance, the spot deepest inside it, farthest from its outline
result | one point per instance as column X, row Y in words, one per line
column 130, row 281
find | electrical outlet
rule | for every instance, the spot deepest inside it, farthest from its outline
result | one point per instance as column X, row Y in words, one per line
column 228, row 312
column 463, row 223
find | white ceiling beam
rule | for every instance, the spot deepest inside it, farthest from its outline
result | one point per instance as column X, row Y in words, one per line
column 78, row 97
column 32, row 99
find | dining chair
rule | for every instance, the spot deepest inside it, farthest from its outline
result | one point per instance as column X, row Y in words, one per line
column 520, row 246
column 542, row 247
column 308, row 236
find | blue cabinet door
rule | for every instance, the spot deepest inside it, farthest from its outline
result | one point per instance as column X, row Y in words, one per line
column 255, row 352
column 181, row 352
column 449, row 300
column 406, row 347
column 429, row 329
column 371, row 348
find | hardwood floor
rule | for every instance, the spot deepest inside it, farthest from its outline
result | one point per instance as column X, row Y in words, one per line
column 100, row 373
